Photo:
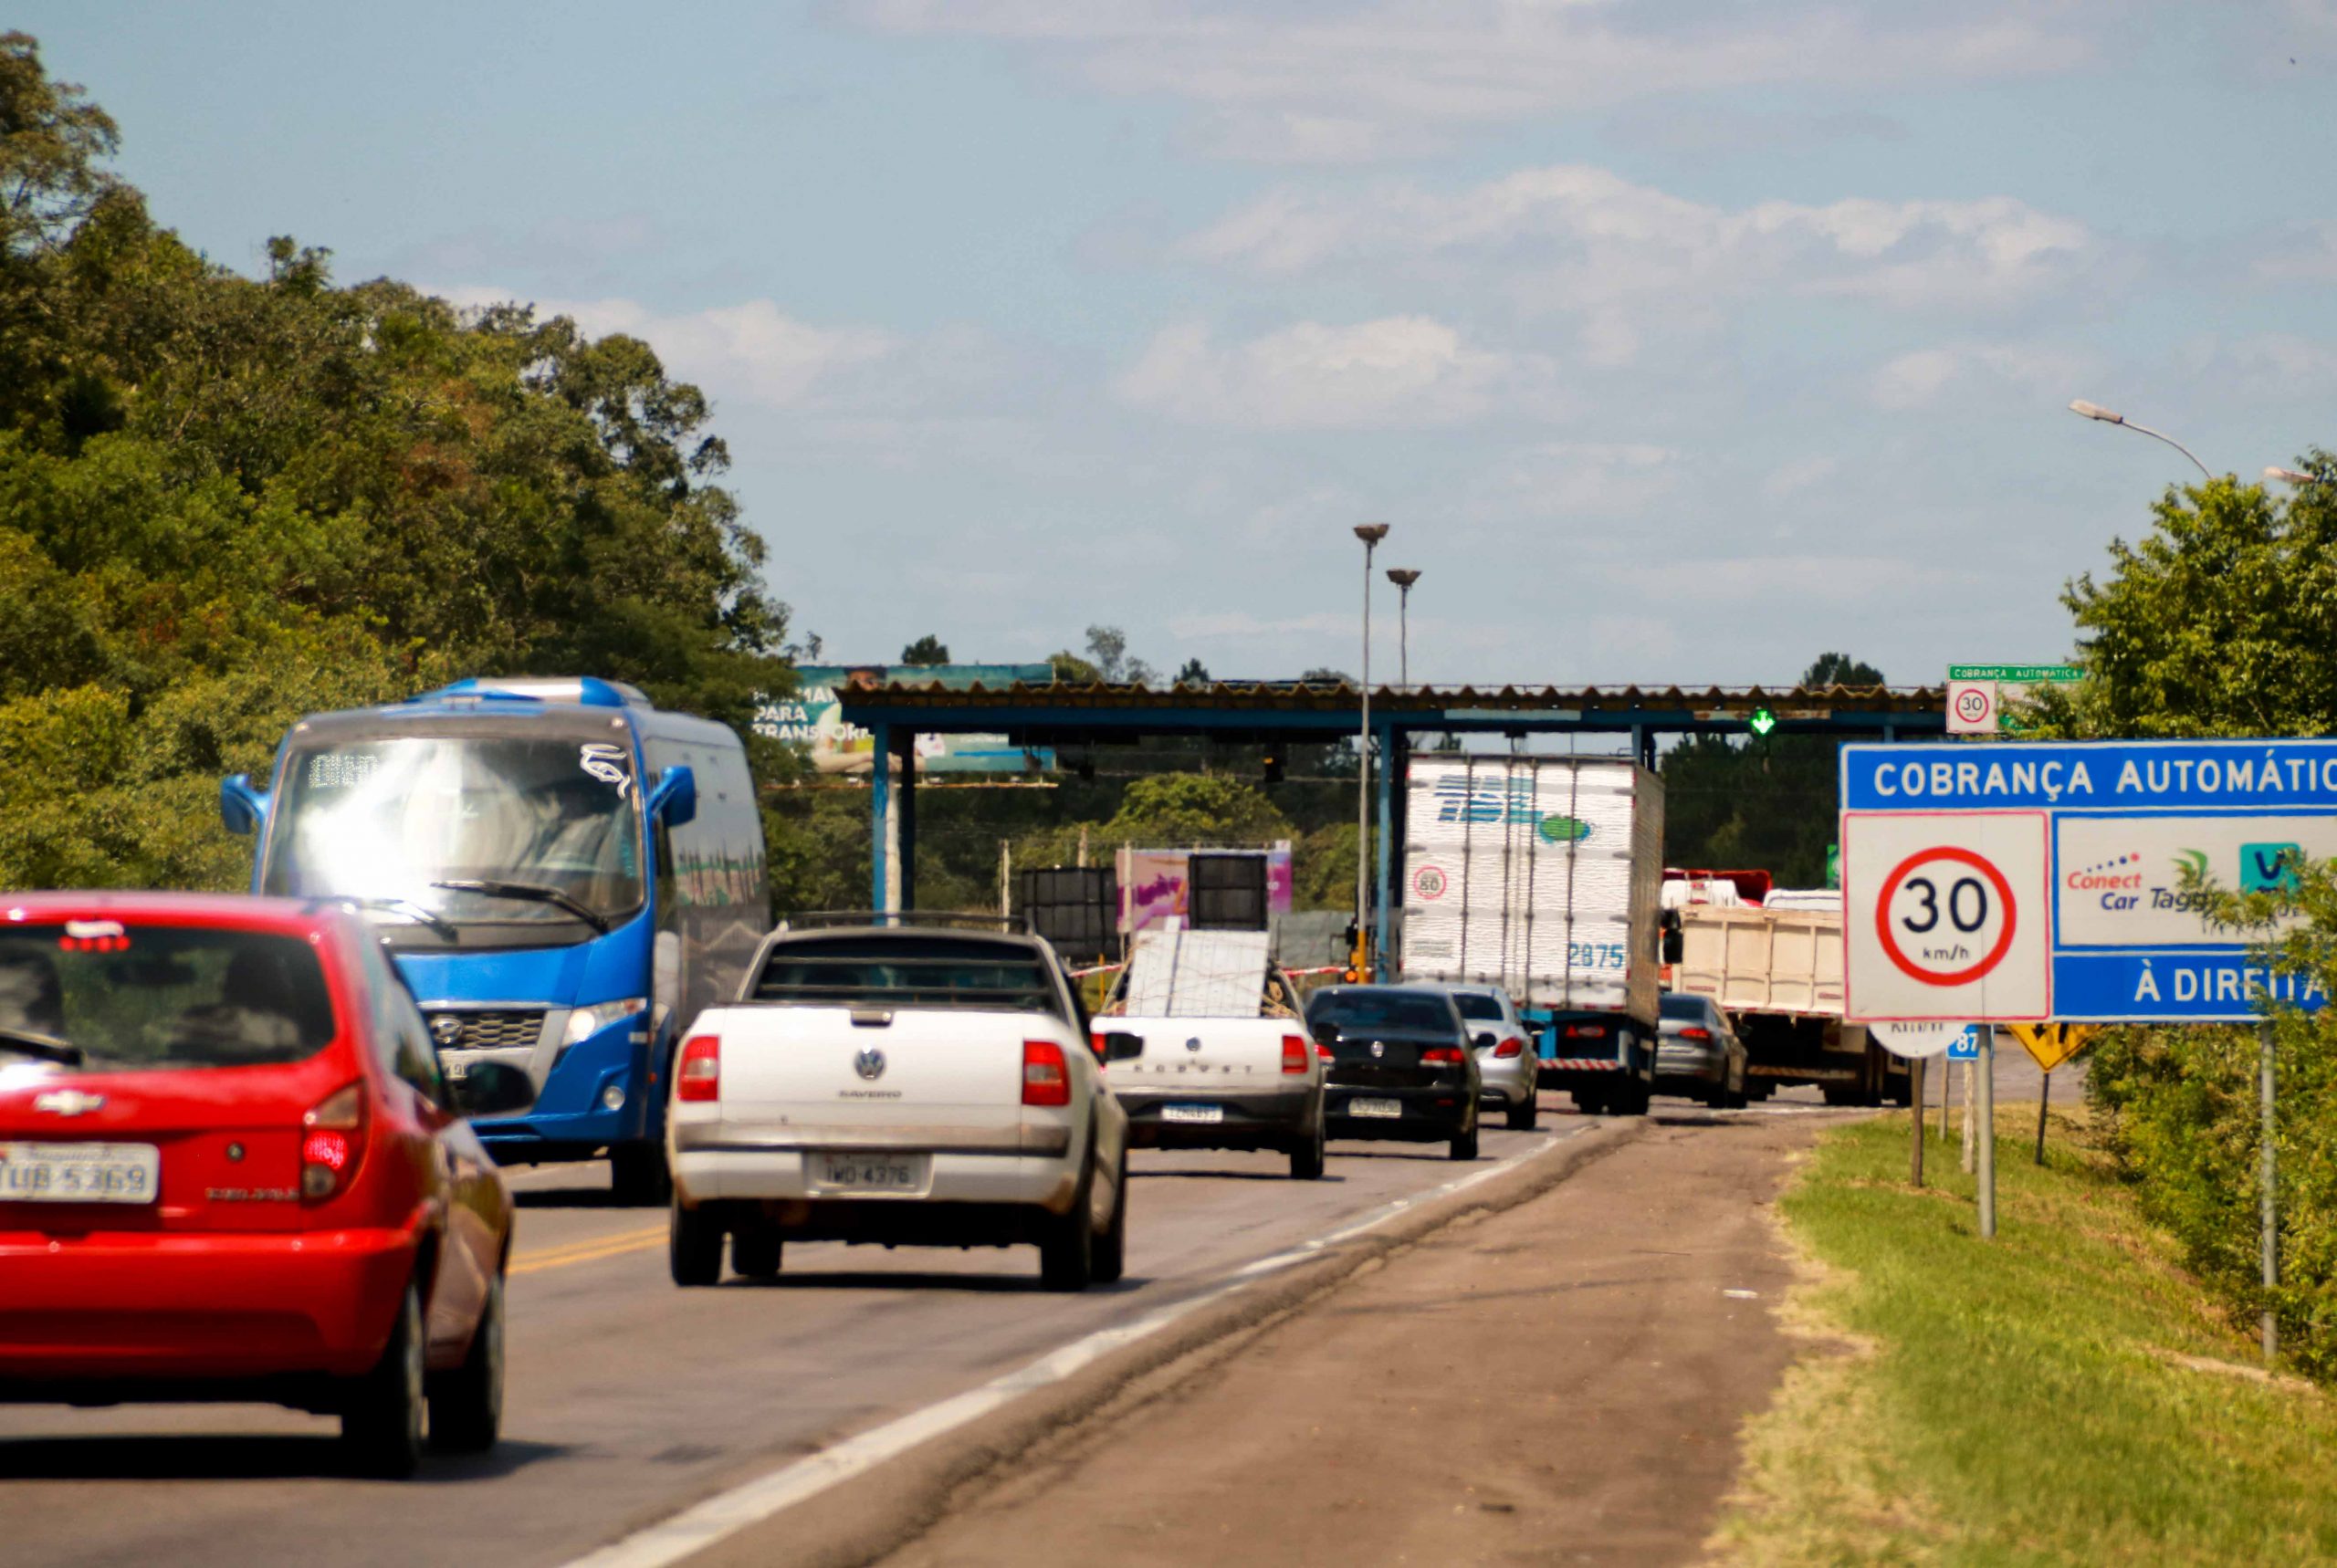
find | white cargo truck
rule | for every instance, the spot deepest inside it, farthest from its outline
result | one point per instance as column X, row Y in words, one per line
column 1775, row 968
column 1543, row 875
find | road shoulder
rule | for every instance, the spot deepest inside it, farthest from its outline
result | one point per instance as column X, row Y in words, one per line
column 1565, row 1369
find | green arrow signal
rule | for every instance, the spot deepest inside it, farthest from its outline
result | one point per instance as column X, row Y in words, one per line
column 1761, row 721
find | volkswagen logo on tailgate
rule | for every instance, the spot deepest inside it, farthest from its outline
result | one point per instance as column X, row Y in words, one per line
column 869, row 1064
column 446, row 1030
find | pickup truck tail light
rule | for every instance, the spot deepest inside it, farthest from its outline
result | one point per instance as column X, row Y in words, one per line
column 1046, row 1077
column 1695, row 1033
column 332, row 1142
column 1448, row 1055
column 697, row 1075
column 1509, row 1048
column 1295, row 1054
column 1096, row 1044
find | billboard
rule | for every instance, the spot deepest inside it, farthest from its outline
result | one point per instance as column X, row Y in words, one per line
column 812, row 716
column 1153, row 884
column 2024, row 883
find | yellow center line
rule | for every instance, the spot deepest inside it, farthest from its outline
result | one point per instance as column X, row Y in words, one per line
column 589, row 1251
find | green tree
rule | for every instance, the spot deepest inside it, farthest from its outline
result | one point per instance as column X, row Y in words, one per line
column 2221, row 620
column 1765, row 801
column 225, row 501
column 1192, row 672
column 926, row 653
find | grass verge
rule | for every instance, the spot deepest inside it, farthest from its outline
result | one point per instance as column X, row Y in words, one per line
column 2065, row 1395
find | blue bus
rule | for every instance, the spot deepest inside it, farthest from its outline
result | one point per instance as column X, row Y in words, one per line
column 565, row 874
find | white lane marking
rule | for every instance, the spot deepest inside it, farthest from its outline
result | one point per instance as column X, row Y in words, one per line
column 726, row 1513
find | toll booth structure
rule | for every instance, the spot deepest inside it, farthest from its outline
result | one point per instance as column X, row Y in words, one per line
column 1064, row 715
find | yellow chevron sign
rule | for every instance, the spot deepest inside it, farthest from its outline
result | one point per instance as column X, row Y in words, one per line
column 2052, row 1043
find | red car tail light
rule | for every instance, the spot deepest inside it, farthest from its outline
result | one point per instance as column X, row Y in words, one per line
column 1695, row 1033
column 1448, row 1055
column 1046, row 1077
column 1103, row 1051
column 1585, row 1032
column 697, row 1076
column 1295, row 1054
column 1511, row 1047
column 332, row 1141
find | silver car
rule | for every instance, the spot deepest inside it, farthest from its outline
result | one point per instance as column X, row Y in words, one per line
column 1697, row 1053
column 1507, row 1069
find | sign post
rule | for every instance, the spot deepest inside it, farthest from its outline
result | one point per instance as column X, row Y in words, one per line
column 1917, row 1042
column 2028, row 882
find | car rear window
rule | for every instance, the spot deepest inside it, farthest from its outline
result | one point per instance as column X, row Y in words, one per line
column 906, row 972
column 116, row 997
column 1478, row 1004
column 1380, row 1009
column 1683, row 1007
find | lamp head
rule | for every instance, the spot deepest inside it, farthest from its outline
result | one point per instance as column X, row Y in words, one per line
column 2289, row 475
column 1370, row 533
column 2095, row 410
column 1403, row 576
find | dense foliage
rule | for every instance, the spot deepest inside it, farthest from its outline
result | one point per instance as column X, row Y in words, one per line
column 2219, row 622
column 1765, row 802
column 225, row 501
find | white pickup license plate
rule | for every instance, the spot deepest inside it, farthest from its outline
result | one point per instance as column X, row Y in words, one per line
column 80, row 1172
column 1391, row 1108
column 863, row 1172
column 1203, row 1116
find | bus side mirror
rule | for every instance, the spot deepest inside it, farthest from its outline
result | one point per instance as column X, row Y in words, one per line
column 242, row 809
column 675, row 800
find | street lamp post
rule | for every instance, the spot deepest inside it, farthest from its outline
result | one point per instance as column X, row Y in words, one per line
column 1403, row 576
column 2095, row 410
column 1370, row 534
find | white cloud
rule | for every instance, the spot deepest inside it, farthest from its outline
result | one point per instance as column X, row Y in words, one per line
column 2306, row 255
column 1801, row 474
column 1407, row 371
column 1339, row 81
column 753, row 350
column 2268, row 366
column 1918, row 379
column 1587, row 240
column 1581, row 480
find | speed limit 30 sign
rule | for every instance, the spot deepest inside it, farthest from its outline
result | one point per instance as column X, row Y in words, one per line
column 1945, row 915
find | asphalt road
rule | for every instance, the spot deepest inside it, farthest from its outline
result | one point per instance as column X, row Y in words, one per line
column 629, row 1398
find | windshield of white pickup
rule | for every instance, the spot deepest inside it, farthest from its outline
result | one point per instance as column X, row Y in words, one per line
column 878, row 970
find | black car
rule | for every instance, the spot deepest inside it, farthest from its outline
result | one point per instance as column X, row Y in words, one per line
column 1400, row 1066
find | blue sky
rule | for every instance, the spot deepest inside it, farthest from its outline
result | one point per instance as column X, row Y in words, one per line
column 1679, row 342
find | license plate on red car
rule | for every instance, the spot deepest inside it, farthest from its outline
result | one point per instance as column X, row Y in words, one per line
column 80, row 1173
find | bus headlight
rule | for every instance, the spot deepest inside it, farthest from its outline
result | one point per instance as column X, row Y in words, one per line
column 584, row 1024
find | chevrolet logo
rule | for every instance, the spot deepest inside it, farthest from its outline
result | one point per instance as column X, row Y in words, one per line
column 69, row 1101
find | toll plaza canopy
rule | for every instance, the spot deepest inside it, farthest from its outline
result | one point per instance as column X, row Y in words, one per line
column 1068, row 714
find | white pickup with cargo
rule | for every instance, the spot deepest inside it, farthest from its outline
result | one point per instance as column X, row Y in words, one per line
column 1775, row 968
column 1542, row 876
column 1227, row 1060
column 924, row 1084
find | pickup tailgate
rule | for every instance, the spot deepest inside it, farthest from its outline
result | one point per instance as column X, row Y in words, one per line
column 1187, row 1054
column 837, row 1067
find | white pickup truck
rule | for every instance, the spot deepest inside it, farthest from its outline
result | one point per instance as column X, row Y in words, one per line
column 926, row 1085
column 1227, row 1060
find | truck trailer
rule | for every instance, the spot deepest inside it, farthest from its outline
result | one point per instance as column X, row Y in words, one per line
column 1775, row 969
column 1542, row 875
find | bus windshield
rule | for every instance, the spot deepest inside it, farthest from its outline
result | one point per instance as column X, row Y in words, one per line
column 384, row 820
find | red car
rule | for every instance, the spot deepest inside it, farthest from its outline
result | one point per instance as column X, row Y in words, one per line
column 230, row 1170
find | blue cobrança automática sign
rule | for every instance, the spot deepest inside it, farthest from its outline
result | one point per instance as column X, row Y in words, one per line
column 2017, row 882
